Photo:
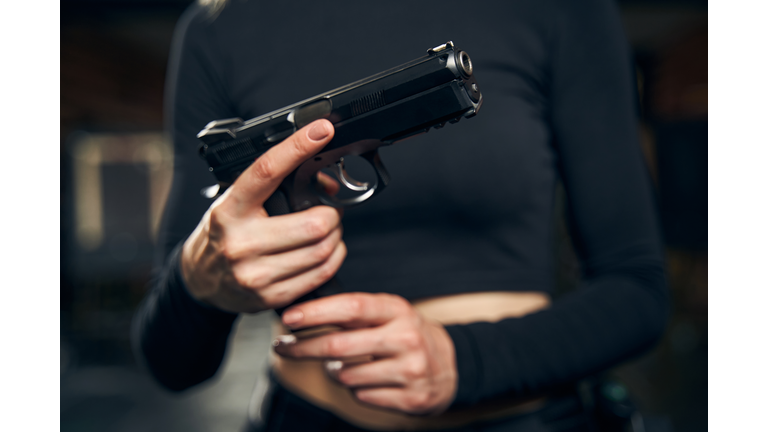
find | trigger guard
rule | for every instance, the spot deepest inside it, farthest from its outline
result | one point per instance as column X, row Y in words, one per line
column 382, row 180
column 347, row 180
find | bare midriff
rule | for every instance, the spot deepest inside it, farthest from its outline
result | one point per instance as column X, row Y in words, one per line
column 308, row 378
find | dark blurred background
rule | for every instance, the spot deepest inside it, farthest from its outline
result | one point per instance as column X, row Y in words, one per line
column 115, row 174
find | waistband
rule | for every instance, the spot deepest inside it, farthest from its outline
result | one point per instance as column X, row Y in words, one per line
column 308, row 379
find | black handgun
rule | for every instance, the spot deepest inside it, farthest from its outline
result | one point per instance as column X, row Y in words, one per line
column 379, row 110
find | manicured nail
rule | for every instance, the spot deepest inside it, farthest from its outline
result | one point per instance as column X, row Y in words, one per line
column 334, row 365
column 319, row 131
column 292, row 317
column 284, row 340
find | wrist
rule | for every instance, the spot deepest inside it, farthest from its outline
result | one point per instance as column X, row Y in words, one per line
column 187, row 266
column 446, row 356
column 467, row 363
column 180, row 290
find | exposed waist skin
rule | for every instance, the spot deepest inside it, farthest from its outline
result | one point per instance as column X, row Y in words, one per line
column 308, row 378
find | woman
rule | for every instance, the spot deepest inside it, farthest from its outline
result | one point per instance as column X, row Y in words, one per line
column 448, row 275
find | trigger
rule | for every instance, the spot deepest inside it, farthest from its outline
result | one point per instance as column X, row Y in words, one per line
column 348, row 181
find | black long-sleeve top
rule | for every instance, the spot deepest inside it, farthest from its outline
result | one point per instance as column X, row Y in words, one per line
column 470, row 207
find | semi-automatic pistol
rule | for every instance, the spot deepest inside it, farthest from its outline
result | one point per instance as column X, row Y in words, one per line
column 380, row 110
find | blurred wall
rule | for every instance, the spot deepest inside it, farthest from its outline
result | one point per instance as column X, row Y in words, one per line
column 113, row 63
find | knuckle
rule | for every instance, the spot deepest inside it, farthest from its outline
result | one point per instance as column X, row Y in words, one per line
column 215, row 219
column 356, row 305
column 300, row 145
column 228, row 251
column 415, row 368
column 256, row 248
column 264, row 168
column 234, row 250
column 400, row 304
column 251, row 278
column 410, row 339
column 278, row 298
column 323, row 250
column 335, row 347
column 240, row 278
column 260, row 278
column 317, row 227
column 325, row 273
column 405, row 306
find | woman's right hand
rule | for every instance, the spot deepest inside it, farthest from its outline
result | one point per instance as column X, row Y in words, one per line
column 241, row 260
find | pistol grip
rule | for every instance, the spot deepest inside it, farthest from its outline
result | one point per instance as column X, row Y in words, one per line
column 277, row 204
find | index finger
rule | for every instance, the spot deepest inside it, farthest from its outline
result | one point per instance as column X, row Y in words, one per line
column 262, row 178
column 349, row 310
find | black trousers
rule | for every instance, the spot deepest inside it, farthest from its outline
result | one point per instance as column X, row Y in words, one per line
column 287, row 412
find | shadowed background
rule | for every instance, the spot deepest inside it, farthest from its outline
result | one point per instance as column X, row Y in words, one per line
column 115, row 166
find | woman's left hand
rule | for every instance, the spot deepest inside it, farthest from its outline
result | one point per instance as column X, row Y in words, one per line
column 413, row 367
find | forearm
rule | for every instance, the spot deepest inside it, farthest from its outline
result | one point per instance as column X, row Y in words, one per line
column 609, row 320
column 178, row 339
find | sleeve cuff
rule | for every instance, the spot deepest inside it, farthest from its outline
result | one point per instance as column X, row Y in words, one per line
column 467, row 366
column 181, row 297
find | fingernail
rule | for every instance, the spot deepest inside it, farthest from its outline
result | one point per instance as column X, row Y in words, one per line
column 284, row 340
column 334, row 365
column 292, row 317
column 319, row 131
